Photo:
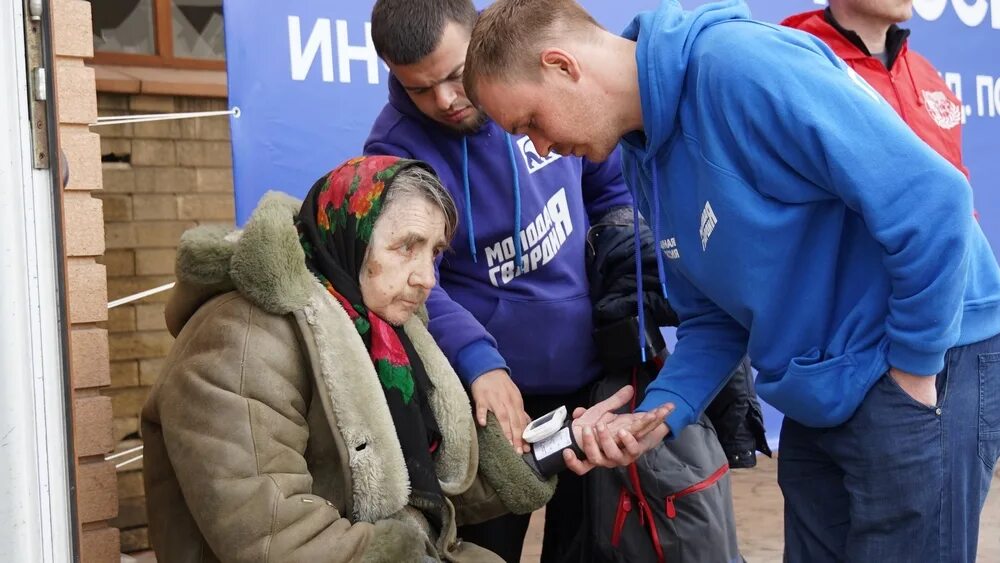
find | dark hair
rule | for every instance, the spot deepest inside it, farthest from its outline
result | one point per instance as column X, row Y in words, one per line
column 405, row 31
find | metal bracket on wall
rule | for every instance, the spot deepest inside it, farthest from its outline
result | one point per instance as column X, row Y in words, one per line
column 37, row 74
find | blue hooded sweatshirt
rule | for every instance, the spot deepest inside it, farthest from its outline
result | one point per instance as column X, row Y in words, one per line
column 484, row 313
column 799, row 218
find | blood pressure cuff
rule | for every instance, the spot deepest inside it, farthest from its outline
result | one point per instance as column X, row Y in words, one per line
column 545, row 457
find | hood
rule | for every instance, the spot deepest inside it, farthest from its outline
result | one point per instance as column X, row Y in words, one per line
column 852, row 48
column 264, row 261
column 401, row 101
column 799, row 21
column 815, row 22
column 665, row 39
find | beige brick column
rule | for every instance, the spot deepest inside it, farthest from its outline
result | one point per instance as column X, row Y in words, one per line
column 160, row 179
column 75, row 94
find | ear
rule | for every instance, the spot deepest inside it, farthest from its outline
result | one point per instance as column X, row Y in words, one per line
column 562, row 62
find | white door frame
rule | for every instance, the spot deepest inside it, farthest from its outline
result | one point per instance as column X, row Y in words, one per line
column 36, row 522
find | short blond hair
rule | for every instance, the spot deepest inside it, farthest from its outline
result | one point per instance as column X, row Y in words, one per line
column 506, row 40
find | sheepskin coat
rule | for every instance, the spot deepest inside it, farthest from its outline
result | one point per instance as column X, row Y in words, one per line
column 268, row 438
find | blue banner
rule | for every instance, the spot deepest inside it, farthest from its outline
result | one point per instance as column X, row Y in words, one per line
column 308, row 85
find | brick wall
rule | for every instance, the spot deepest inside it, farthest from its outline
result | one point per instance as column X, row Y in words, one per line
column 86, row 283
column 178, row 175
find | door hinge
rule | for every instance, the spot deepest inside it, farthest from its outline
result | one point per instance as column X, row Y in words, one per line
column 38, row 76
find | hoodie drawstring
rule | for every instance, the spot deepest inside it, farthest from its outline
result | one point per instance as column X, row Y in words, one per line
column 638, row 277
column 638, row 260
column 517, row 204
column 470, row 224
column 638, row 250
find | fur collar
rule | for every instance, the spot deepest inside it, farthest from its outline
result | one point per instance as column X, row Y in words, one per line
column 266, row 264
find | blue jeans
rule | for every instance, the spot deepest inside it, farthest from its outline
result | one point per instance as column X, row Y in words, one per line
column 899, row 481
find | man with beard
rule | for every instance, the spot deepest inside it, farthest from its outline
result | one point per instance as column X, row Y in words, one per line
column 512, row 311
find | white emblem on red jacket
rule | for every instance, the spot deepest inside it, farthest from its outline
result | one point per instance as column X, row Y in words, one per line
column 946, row 113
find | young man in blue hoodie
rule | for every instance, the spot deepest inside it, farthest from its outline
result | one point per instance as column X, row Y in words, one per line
column 803, row 221
column 520, row 338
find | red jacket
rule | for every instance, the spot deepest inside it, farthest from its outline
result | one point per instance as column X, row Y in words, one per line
column 911, row 85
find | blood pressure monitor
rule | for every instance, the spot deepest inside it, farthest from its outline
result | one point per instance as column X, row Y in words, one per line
column 549, row 435
column 542, row 428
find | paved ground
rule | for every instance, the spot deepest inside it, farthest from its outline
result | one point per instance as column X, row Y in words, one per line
column 759, row 518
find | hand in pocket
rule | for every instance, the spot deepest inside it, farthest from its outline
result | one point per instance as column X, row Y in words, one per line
column 920, row 388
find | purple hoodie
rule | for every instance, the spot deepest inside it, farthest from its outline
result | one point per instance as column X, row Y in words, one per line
column 484, row 313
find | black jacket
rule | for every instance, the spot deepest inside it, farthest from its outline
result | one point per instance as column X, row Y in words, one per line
column 735, row 412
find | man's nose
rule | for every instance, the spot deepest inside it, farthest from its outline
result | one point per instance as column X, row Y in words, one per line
column 445, row 96
column 542, row 145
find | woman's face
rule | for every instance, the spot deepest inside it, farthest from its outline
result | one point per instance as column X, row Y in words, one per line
column 398, row 272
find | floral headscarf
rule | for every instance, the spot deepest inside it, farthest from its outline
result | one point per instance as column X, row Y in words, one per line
column 335, row 227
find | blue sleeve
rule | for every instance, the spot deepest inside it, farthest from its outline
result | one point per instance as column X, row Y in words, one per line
column 470, row 349
column 791, row 102
column 477, row 358
column 603, row 186
column 710, row 344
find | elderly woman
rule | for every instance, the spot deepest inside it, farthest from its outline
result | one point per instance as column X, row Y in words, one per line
column 305, row 413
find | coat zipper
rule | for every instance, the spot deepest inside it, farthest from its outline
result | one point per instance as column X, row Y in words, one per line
column 701, row 486
column 645, row 512
column 646, row 519
column 624, row 507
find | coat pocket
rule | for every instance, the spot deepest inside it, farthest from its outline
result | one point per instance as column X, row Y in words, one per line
column 671, row 500
column 814, row 391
